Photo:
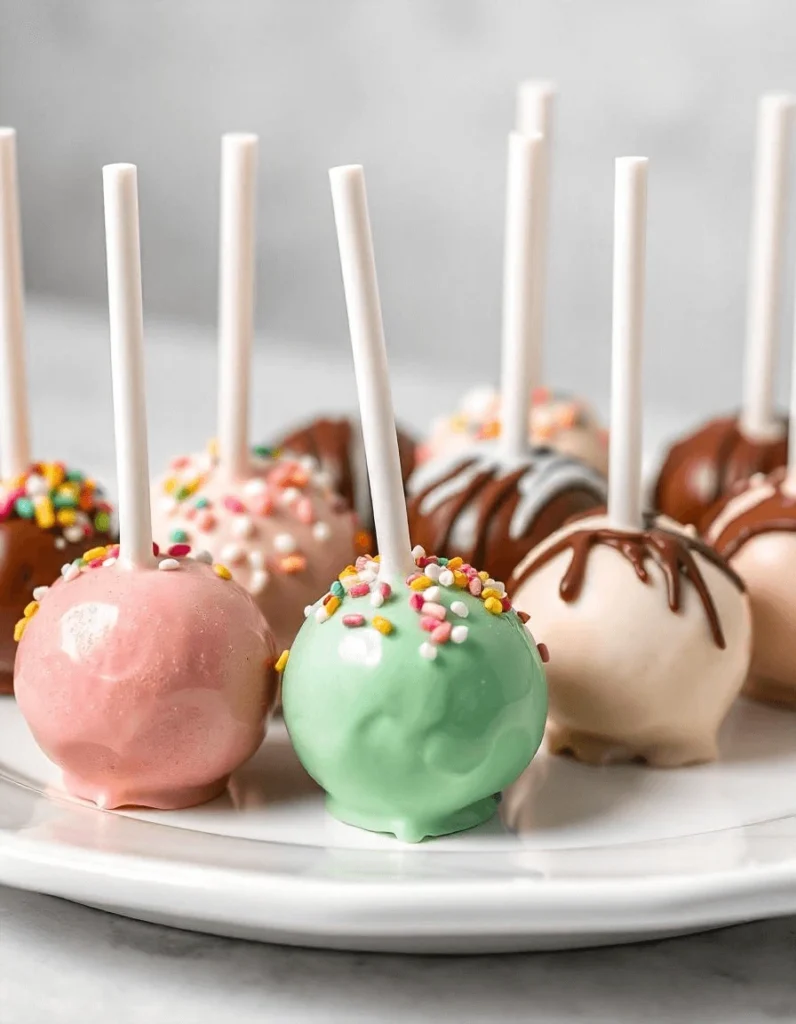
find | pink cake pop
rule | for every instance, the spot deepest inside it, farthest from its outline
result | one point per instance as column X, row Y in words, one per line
column 274, row 521
column 146, row 678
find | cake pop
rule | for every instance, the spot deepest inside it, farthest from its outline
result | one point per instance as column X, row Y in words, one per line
column 556, row 420
column 495, row 501
column 649, row 629
column 274, row 520
column 49, row 513
column 703, row 466
column 146, row 677
column 335, row 445
column 412, row 694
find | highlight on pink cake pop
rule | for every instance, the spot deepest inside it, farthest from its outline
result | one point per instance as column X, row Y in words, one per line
column 146, row 676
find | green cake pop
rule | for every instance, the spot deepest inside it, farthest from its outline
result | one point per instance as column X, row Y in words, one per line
column 413, row 692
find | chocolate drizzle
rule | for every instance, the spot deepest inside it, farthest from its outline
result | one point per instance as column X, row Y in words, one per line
column 673, row 553
column 774, row 513
column 702, row 467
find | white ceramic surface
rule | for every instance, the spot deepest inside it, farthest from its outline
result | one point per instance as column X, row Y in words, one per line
column 578, row 856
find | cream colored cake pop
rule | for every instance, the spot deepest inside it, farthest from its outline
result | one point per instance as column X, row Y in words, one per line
column 649, row 630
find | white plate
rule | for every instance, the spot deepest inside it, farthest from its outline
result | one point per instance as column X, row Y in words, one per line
column 579, row 856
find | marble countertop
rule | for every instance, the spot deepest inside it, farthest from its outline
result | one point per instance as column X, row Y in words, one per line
column 63, row 963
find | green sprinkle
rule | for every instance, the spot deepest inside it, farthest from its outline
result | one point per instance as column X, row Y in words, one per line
column 64, row 500
column 74, row 475
column 201, row 503
column 264, row 452
column 102, row 522
column 442, row 561
column 24, row 508
column 338, row 589
column 182, row 493
column 178, row 536
column 79, row 563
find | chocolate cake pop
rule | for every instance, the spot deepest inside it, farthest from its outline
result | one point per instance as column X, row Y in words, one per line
column 413, row 694
column 49, row 514
column 496, row 500
column 704, row 466
column 649, row 629
column 146, row 678
column 335, row 445
column 273, row 520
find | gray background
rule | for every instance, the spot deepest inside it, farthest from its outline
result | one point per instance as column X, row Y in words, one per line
column 422, row 93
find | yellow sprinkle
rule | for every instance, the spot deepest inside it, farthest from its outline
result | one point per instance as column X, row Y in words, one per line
column 348, row 571
column 383, row 625
column 100, row 552
column 483, row 576
column 53, row 474
column 332, row 605
column 493, row 606
column 455, row 563
column 66, row 517
column 212, row 446
column 170, row 485
column 282, row 661
column 222, row 571
column 460, row 579
column 31, row 609
column 490, row 592
column 421, row 583
column 458, row 424
column 19, row 629
column 44, row 512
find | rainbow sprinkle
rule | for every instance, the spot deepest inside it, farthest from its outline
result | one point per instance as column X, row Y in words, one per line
column 55, row 497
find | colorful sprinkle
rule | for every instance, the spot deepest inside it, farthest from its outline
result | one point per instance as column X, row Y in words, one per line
column 337, row 589
column 178, row 550
column 178, row 536
column 332, row 604
column 281, row 661
column 222, row 571
column 353, row 620
column 446, row 578
column 30, row 609
column 493, row 606
column 436, row 611
column 39, row 592
column 460, row 608
column 359, row 590
column 544, row 653
column 416, row 601
column 233, row 504
column 258, row 581
column 168, row 564
column 285, row 543
column 442, row 633
column 293, row 564
column 459, row 634
column 428, row 651
column 418, row 552
column 384, row 626
column 321, row 531
column 420, row 583
column 203, row 556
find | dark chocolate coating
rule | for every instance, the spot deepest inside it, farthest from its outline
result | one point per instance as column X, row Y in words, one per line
column 703, row 467
column 336, row 445
column 28, row 559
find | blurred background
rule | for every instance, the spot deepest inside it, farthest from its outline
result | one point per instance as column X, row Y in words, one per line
column 422, row 92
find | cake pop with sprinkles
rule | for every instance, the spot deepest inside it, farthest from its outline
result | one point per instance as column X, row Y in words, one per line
column 556, row 420
column 413, row 693
column 50, row 513
column 273, row 520
column 147, row 677
column 703, row 467
column 650, row 629
column 494, row 501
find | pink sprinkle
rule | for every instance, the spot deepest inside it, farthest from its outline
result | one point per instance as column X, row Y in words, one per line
column 466, row 568
column 95, row 563
column 506, row 604
column 416, row 601
column 180, row 462
column 262, row 505
column 442, row 633
column 353, row 620
column 234, row 504
column 205, row 521
column 190, row 512
column 428, row 624
column 155, row 548
column 436, row 611
column 5, row 508
column 113, row 551
column 361, row 562
column 475, row 586
column 422, row 562
column 544, row 654
column 413, row 576
column 385, row 590
column 359, row 590
column 179, row 550
column 18, row 492
column 305, row 512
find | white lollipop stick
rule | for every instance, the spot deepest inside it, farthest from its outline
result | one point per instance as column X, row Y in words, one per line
column 630, row 231
column 236, row 299
column 127, row 362
column 535, row 108
column 370, row 365
column 523, row 196
column 14, row 417
column 774, row 129
column 790, row 475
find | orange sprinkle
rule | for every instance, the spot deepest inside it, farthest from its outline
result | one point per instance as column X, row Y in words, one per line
column 460, row 579
column 332, row 604
column 363, row 542
column 292, row 564
column 281, row 663
column 455, row 563
column 222, row 571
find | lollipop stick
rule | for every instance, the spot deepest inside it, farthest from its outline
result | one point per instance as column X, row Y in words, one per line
column 236, row 299
column 127, row 362
column 14, row 418
column 370, row 365
column 790, row 475
column 774, row 128
column 535, row 108
column 630, row 229
column 519, row 278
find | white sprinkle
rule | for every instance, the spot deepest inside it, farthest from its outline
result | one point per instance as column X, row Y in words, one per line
column 350, row 581
column 39, row 593
column 308, row 462
column 255, row 487
column 72, row 572
column 65, row 568
column 430, row 593
column 36, row 485
column 232, row 554
column 60, row 543
column 376, row 598
column 167, row 504
column 110, row 561
column 168, row 564
column 257, row 559
column 428, row 651
column 446, row 578
column 74, row 534
column 418, row 552
column 366, row 576
column 459, row 634
column 321, row 615
column 321, row 531
column 322, row 479
column 432, row 570
column 460, row 608
column 372, row 567
column 242, row 526
column 285, row 543
column 290, row 494
column 496, row 585
column 258, row 581
column 307, row 611
column 202, row 556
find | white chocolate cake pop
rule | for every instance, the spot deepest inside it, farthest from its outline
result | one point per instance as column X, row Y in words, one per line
column 275, row 522
column 649, row 630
